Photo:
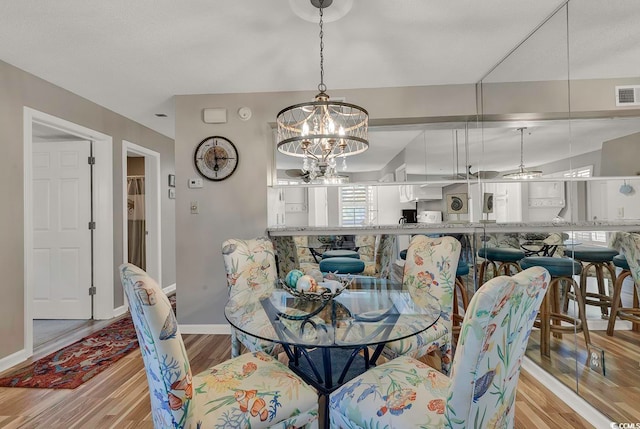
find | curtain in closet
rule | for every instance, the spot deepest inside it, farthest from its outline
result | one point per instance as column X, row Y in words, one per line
column 136, row 221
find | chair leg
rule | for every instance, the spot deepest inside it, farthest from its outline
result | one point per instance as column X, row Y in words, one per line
column 446, row 357
column 617, row 290
column 636, row 295
column 582, row 310
column 544, row 326
column 483, row 269
column 235, row 344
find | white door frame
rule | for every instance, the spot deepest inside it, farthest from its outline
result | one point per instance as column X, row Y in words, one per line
column 152, row 210
column 103, row 269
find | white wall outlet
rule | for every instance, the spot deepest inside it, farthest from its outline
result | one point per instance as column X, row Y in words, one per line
column 596, row 359
column 195, row 207
column 195, row 183
column 620, row 212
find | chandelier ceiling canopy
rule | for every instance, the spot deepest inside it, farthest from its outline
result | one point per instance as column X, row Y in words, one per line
column 322, row 130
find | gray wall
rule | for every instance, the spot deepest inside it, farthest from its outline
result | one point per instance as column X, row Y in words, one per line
column 620, row 156
column 19, row 89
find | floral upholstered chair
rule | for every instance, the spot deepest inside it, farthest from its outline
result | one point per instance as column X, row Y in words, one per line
column 406, row 393
column 251, row 275
column 384, row 255
column 430, row 270
column 367, row 246
column 253, row 390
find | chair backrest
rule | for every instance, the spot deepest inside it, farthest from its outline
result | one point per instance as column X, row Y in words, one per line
column 629, row 244
column 285, row 248
column 430, row 270
column 367, row 246
column 493, row 339
column 303, row 253
column 251, row 269
column 163, row 352
column 384, row 255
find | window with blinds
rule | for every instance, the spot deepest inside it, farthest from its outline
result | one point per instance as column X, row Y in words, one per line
column 357, row 205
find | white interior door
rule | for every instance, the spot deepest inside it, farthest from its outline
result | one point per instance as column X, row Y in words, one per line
column 61, row 236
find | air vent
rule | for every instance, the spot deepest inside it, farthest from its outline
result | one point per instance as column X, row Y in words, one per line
column 628, row 95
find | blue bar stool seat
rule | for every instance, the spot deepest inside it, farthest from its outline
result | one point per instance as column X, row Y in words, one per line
column 631, row 314
column 506, row 257
column 403, row 254
column 342, row 265
column 562, row 271
column 341, row 253
column 598, row 258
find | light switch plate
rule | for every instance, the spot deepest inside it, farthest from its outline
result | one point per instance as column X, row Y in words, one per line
column 195, row 183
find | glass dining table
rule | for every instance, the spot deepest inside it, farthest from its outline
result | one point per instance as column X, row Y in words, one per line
column 331, row 341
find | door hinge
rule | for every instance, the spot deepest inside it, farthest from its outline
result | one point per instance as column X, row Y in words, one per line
column 92, row 225
column 92, row 290
column 91, row 160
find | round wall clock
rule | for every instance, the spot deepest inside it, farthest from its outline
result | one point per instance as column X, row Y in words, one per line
column 216, row 158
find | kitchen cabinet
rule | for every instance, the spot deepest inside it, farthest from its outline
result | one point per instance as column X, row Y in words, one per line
column 411, row 193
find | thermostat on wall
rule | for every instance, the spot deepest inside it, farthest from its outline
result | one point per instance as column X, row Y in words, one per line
column 195, row 183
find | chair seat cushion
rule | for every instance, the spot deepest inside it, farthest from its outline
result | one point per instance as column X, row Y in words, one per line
column 501, row 254
column 341, row 253
column 621, row 262
column 591, row 254
column 403, row 254
column 557, row 267
column 402, row 393
column 342, row 265
column 253, row 390
column 462, row 269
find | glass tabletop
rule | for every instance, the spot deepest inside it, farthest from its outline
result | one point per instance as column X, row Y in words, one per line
column 369, row 312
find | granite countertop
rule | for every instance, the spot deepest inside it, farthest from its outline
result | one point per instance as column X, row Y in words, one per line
column 458, row 227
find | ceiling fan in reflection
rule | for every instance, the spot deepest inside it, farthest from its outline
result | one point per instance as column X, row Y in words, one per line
column 305, row 176
column 481, row 174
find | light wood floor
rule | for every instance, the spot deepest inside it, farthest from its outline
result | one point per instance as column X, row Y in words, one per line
column 617, row 393
column 119, row 398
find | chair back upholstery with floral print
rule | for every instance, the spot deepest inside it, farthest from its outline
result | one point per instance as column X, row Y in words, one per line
column 384, row 255
column 629, row 244
column 367, row 245
column 165, row 358
column 430, row 270
column 493, row 340
column 251, row 269
column 285, row 248
column 303, row 253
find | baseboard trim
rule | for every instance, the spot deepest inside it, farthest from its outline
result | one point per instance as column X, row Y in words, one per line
column 566, row 395
column 13, row 359
column 117, row 312
column 206, row 329
column 169, row 289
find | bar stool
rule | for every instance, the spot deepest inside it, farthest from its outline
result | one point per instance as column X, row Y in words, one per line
column 599, row 258
column 342, row 265
column 457, row 318
column 561, row 270
column 507, row 257
column 631, row 314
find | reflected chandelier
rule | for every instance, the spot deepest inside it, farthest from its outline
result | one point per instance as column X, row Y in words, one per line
column 522, row 172
column 322, row 130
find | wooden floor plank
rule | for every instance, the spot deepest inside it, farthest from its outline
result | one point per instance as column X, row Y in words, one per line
column 119, row 397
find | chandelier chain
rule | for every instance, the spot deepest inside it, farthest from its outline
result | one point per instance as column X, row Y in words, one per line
column 321, row 87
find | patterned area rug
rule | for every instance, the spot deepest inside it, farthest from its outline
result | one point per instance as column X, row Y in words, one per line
column 71, row 366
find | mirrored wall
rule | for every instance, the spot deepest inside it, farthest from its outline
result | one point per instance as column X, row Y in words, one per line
column 552, row 108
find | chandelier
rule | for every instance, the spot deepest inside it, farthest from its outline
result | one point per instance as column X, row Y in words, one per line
column 522, row 172
column 321, row 132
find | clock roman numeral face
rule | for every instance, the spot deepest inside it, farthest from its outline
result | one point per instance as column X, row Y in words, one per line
column 216, row 158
